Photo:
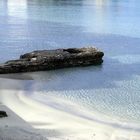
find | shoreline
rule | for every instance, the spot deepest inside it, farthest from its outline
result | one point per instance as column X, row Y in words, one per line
column 55, row 122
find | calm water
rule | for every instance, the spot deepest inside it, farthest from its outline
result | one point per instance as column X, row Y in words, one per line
column 111, row 25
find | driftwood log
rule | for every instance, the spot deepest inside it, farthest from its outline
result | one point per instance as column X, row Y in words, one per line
column 53, row 59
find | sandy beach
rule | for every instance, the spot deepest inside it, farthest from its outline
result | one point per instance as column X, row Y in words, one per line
column 15, row 128
column 56, row 120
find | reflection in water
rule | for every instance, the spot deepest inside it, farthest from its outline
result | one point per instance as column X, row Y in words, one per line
column 98, row 16
column 17, row 8
column 100, row 2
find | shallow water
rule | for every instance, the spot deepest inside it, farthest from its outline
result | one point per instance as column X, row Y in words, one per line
column 112, row 26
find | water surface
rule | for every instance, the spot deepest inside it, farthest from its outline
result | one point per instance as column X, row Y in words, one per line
column 111, row 25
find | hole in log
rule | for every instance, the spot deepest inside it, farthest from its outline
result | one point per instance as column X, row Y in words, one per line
column 72, row 50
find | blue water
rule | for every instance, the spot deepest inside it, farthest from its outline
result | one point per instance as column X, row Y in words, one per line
column 111, row 25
